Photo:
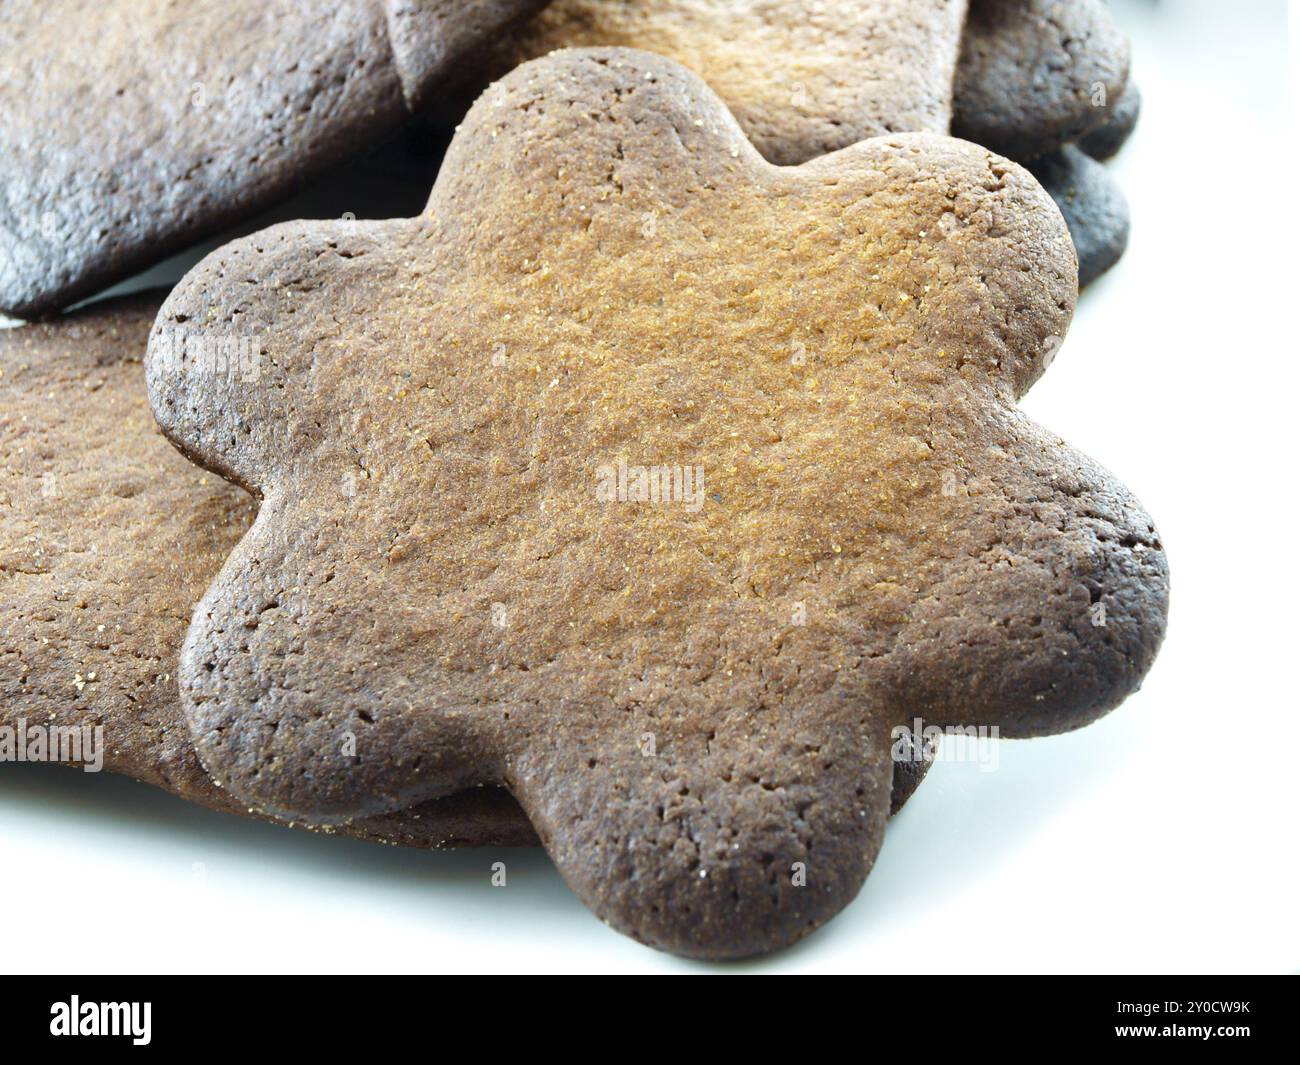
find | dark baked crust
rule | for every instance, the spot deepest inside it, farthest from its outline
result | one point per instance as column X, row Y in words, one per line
column 1037, row 74
column 133, row 129
column 911, row 769
column 75, row 422
column 107, row 539
column 1108, row 138
column 607, row 269
column 101, row 558
column 1093, row 204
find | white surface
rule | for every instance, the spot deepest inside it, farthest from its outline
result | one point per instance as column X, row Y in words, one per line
column 1164, row 838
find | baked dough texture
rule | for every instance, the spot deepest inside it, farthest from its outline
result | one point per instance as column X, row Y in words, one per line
column 1093, row 205
column 802, row 78
column 469, row 566
column 108, row 538
column 134, row 128
column 1037, row 74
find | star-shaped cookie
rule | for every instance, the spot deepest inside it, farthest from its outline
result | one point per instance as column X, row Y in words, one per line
column 657, row 483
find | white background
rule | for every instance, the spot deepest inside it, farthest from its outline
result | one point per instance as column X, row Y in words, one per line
column 1163, row 839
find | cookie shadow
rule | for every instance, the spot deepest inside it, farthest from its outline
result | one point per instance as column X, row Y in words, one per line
column 962, row 825
column 392, row 180
column 105, row 802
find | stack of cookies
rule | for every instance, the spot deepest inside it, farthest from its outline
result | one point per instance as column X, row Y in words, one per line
column 638, row 497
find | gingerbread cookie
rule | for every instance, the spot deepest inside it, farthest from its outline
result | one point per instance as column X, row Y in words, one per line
column 90, row 635
column 803, row 79
column 107, row 539
column 656, row 483
column 134, row 129
column 1036, row 74
column 1093, row 205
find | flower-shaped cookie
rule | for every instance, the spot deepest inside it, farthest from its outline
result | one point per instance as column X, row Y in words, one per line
column 657, row 483
column 108, row 538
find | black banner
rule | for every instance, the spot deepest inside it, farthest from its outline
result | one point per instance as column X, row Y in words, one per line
column 141, row 1014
